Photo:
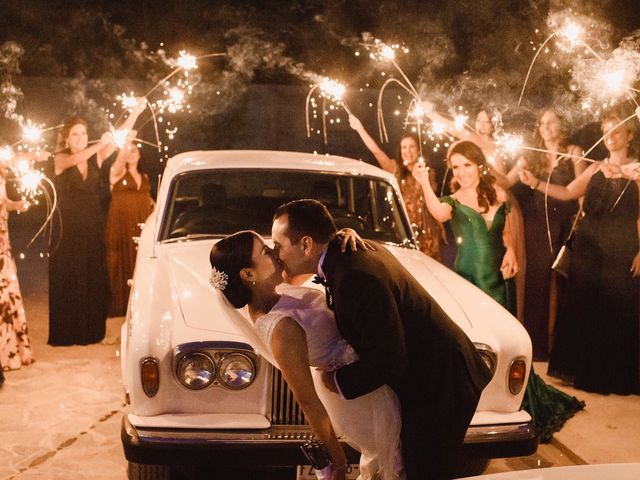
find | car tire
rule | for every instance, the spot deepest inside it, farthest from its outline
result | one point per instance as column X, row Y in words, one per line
column 469, row 466
column 139, row 471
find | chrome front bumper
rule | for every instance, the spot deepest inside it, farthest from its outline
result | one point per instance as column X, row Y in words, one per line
column 280, row 445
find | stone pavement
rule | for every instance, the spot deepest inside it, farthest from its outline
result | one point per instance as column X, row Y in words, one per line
column 60, row 417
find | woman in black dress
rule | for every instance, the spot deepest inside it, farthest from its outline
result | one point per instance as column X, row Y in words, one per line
column 547, row 223
column 78, row 282
column 596, row 344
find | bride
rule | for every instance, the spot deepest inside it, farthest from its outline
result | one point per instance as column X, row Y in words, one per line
column 297, row 330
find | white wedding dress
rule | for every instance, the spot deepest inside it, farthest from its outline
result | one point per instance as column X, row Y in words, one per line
column 370, row 423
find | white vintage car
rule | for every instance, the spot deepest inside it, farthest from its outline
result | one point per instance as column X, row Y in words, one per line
column 198, row 392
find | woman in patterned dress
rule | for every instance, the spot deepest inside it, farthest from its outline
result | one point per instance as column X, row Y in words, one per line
column 15, row 348
column 430, row 231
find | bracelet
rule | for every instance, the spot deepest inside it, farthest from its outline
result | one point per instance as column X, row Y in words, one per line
column 535, row 187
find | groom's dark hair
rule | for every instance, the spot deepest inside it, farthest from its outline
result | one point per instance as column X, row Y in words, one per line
column 308, row 217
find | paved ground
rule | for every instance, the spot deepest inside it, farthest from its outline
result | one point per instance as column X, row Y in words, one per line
column 60, row 417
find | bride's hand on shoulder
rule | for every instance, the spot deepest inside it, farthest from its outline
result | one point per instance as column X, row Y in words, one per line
column 349, row 237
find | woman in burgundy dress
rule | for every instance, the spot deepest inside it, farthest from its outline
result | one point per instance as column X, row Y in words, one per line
column 131, row 204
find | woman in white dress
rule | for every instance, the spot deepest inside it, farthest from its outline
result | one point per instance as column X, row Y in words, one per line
column 295, row 330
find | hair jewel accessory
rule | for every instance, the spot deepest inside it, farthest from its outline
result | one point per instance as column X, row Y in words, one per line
column 218, row 279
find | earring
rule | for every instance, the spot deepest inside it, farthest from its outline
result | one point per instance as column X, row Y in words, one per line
column 253, row 283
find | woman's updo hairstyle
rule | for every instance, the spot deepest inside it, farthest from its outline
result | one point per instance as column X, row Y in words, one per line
column 230, row 255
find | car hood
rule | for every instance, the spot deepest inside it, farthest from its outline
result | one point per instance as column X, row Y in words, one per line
column 204, row 308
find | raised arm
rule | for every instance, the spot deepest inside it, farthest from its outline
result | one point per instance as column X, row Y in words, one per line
column 64, row 160
column 507, row 179
column 127, row 125
column 119, row 167
column 579, row 165
column 383, row 159
column 460, row 131
column 573, row 191
column 289, row 347
column 441, row 211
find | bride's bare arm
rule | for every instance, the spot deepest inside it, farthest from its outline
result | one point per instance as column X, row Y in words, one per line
column 289, row 347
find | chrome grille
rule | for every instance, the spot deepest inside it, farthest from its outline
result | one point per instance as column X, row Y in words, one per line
column 284, row 408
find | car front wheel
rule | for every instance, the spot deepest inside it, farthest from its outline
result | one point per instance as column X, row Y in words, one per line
column 469, row 466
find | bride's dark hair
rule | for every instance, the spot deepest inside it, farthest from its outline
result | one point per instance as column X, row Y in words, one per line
column 230, row 255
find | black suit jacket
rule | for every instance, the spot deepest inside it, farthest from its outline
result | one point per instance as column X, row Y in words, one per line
column 403, row 339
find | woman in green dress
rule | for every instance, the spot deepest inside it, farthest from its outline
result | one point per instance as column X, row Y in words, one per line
column 479, row 214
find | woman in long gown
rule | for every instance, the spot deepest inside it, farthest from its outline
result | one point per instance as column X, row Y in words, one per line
column 131, row 204
column 547, row 222
column 485, row 126
column 430, row 232
column 596, row 344
column 78, row 284
column 479, row 213
column 297, row 330
column 78, row 281
column 15, row 347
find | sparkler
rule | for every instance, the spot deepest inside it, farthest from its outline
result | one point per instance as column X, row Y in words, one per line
column 175, row 93
column 570, row 35
column 331, row 90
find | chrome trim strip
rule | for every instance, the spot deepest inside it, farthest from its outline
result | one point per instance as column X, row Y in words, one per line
column 211, row 345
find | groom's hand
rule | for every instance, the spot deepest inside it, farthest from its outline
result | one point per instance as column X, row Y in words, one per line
column 328, row 378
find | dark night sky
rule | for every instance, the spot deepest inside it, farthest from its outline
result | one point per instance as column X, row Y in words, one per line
column 465, row 52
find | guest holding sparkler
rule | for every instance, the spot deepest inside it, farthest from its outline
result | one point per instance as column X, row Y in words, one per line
column 596, row 345
column 485, row 126
column 15, row 347
column 131, row 204
column 430, row 232
column 479, row 212
column 78, row 280
column 547, row 223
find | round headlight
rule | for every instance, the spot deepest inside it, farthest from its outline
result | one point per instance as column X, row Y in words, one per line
column 196, row 370
column 237, row 371
column 488, row 356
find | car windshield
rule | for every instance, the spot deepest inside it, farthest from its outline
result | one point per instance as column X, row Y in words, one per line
column 220, row 202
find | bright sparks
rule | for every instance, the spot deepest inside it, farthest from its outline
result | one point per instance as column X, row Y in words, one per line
column 6, row 154
column 387, row 52
column 418, row 111
column 438, row 128
column 332, row 89
column 186, row 62
column 31, row 132
column 128, row 101
column 614, row 81
column 572, row 33
column 30, row 180
column 459, row 121
column 120, row 137
column 510, row 143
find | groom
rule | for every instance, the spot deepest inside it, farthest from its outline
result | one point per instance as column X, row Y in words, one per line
column 402, row 336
